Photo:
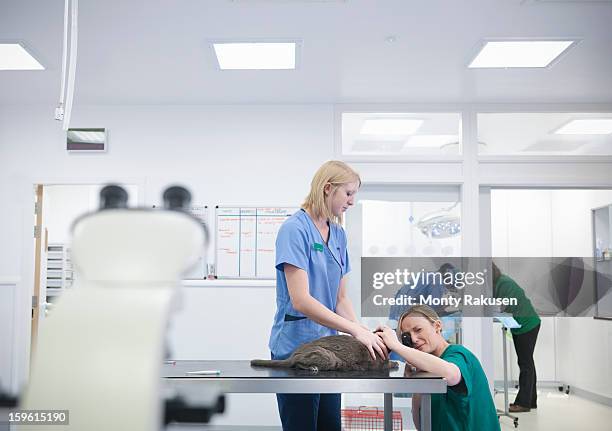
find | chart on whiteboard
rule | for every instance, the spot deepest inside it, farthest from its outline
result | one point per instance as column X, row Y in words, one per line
column 245, row 238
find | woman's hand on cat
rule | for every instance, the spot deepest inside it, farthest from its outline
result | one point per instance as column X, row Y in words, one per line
column 372, row 341
column 388, row 336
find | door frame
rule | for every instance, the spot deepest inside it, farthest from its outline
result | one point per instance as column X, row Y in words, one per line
column 23, row 298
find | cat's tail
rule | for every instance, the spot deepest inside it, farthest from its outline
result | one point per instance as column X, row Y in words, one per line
column 285, row 363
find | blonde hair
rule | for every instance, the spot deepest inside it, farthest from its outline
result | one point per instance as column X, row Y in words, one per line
column 333, row 172
column 420, row 310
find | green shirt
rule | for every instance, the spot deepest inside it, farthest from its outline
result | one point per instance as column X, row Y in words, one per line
column 467, row 406
column 523, row 312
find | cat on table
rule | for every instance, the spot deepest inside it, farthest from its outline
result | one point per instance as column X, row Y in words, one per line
column 332, row 353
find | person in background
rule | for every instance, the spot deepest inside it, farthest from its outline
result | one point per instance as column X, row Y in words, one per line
column 311, row 295
column 467, row 404
column 429, row 288
column 426, row 288
column 433, row 287
column 524, row 339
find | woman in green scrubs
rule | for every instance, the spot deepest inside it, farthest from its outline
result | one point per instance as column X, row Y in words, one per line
column 524, row 339
column 467, row 403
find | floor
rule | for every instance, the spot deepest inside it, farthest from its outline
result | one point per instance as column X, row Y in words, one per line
column 556, row 411
column 560, row 412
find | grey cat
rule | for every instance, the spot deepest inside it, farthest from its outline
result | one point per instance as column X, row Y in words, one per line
column 333, row 353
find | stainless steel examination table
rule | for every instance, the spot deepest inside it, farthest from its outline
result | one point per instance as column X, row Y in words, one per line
column 240, row 377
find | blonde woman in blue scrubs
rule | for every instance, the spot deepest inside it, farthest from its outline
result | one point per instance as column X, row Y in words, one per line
column 311, row 298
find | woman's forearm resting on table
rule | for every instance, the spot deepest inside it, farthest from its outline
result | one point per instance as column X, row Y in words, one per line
column 431, row 363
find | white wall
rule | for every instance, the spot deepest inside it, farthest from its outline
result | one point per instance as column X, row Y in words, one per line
column 64, row 203
column 251, row 155
column 573, row 350
column 545, row 354
column 8, row 290
column 225, row 154
column 585, row 353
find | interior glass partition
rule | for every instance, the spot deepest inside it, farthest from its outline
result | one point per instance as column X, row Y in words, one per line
column 545, row 134
column 395, row 221
column 401, row 134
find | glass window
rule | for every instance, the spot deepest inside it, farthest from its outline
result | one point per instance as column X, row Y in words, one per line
column 397, row 221
column 539, row 134
column 401, row 134
column 395, row 229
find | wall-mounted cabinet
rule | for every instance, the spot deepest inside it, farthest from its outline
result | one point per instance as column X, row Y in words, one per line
column 602, row 244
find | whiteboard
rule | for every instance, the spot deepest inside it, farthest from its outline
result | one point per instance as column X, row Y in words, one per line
column 245, row 240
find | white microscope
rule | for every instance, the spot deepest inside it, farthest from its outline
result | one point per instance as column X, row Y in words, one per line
column 100, row 353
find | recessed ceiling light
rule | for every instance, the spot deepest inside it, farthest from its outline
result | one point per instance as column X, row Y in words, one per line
column 586, row 126
column 255, row 56
column 390, row 126
column 13, row 56
column 430, row 141
column 519, row 53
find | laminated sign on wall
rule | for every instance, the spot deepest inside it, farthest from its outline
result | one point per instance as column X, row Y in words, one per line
column 245, row 240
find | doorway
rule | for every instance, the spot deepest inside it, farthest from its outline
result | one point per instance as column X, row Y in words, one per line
column 545, row 224
column 57, row 206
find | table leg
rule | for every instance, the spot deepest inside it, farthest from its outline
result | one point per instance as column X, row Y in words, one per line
column 506, row 406
column 388, row 412
column 506, row 410
column 425, row 412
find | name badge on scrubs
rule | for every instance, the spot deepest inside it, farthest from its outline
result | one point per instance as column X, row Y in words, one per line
column 317, row 246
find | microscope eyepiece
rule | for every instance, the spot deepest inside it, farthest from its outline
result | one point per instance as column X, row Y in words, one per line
column 113, row 196
column 177, row 198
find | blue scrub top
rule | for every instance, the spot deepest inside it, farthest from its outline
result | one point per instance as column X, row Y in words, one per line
column 299, row 243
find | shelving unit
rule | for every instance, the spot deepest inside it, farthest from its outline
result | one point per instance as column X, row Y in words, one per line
column 60, row 274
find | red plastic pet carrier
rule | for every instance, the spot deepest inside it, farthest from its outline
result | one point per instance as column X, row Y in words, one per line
column 368, row 418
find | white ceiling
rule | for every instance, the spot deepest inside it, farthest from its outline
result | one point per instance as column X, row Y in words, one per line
column 158, row 51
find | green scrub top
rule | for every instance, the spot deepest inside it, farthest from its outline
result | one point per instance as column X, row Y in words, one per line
column 523, row 312
column 467, row 406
